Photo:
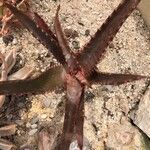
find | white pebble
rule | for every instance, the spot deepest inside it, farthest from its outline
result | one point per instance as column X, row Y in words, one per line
column 32, row 132
column 14, row 41
column 33, row 126
column 28, row 125
column 43, row 116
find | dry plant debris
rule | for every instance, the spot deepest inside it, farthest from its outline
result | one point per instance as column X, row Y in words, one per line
column 7, row 19
column 7, row 130
column 77, row 71
column 8, row 63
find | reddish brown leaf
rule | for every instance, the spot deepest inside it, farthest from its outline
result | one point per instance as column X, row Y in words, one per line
column 112, row 78
column 96, row 48
column 80, row 122
column 47, row 81
column 70, row 59
column 41, row 23
column 46, row 39
column 69, row 124
column 60, row 35
column 74, row 97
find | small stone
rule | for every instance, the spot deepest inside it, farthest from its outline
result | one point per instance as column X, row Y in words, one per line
column 8, row 39
column 111, row 45
column 14, row 41
column 80, row 23
column 28, row 125
column 34, row 119
column 76, row 44
column 20, row 105
column 32, row 132
column 19, row 122
column 42, row 70
column 1, row 40
column 33, row 126
column 89, row 96
column 70, row 33
column 46, row 102
column 9, row 117
column 99, row 145
column 18, row 132
column 124, row 138
column 74, row 145
column 87, row 32
column 21, row 62
column 43, row 116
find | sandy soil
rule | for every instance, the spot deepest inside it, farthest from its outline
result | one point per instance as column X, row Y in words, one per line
column 107, row 108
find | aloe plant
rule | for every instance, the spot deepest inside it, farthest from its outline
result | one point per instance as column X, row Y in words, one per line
column 76, row 70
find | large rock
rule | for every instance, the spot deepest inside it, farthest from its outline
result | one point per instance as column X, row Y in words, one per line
column 125, row 136
column 144, row 7
column 142, row 116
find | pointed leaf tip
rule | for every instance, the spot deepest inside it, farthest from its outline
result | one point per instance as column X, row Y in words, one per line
column 113, row 78
column 58, row 9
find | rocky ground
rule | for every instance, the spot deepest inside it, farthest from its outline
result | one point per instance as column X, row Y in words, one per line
column 108, row 109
